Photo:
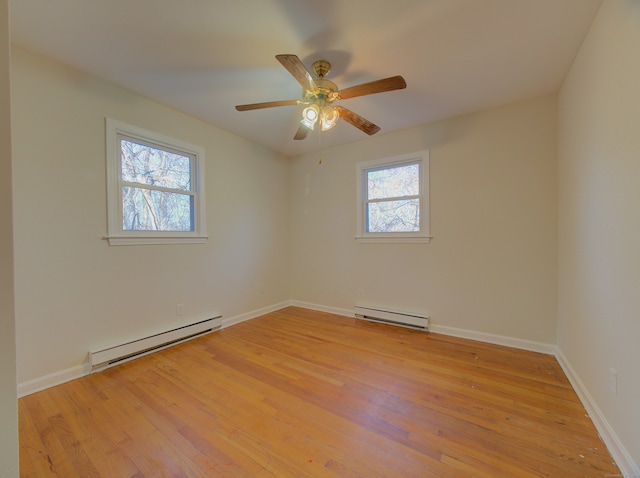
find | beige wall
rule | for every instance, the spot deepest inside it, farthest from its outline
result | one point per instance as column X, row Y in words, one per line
column 491, row 266
column 599, row 212
column 8, row 403
column 74, row 292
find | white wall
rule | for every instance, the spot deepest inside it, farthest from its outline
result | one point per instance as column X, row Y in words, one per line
column 491, row 266
column 8, row 402
column 599, row 216
column 74, row 292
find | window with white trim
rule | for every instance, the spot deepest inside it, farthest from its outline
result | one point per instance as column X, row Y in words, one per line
column 393, row 195
column 154, row 188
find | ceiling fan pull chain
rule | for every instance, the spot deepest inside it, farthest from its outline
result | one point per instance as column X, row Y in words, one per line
column 319, row 148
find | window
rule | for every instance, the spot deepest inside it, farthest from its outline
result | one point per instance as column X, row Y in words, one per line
column 393, row 196
column 154, row 188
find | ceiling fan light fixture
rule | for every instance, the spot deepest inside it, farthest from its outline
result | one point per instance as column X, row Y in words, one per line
column 329, row 117
column 310, row 116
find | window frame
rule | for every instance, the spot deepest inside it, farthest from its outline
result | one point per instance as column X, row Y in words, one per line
column 362, row 168
column 116, row 234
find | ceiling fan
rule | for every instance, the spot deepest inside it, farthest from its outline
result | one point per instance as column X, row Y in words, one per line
column 319, row 95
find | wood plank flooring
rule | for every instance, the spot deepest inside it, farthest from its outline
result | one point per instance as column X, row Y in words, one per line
column 299, row 393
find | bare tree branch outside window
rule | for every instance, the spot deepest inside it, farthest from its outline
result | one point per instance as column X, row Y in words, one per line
column 393, row 202
column 156, row 189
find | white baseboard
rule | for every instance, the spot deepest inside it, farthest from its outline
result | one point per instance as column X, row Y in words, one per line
column 53, row 379
column 254, row 313
column 521, row 344
column 323, row 308
column 619, row 453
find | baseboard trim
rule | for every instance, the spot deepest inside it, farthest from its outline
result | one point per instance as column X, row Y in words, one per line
column 52, row 379
column 323, row 308
column 521, row 344
column 617, row 450
column 254, row 313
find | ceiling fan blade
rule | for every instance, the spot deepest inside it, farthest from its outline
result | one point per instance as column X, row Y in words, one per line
column 302, row 132
column 268, row 104
column 357, row 120
column 294, row 66
column 378, row 86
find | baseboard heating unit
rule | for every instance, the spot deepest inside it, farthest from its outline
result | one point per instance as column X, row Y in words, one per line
column 119, row 353
column 403, row 319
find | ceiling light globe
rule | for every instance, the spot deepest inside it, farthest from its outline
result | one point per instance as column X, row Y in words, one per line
column 329, row 117
column 311, row 113
column 310, row 116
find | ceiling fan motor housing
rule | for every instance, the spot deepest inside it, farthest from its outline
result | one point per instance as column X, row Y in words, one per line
column 326, row 92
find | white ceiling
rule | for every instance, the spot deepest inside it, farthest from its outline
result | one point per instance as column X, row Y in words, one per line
column 203, row 57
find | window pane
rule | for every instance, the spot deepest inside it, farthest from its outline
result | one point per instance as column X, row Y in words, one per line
column 150, row 210
column 394, row 216
column 393, row 182
column 154, row 167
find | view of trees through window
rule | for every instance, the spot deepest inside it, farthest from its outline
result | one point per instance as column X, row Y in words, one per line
column 156, row 189
column 393, row 199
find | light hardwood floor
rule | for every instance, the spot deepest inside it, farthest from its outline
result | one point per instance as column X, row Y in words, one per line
column 300, row 393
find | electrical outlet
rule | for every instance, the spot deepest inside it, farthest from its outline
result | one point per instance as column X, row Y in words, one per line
column 179, row 310
column 360, row 293
column 613, row 381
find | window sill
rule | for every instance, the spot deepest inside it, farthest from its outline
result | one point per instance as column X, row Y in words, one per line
column 140, row 241
column 397, row 240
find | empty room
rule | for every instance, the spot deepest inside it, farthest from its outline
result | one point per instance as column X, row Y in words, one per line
column 320, row 238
